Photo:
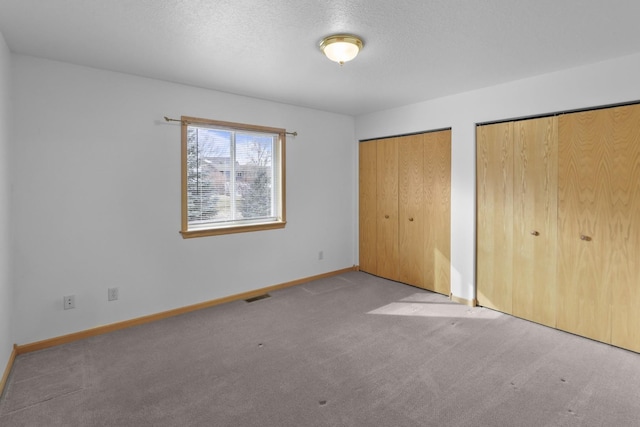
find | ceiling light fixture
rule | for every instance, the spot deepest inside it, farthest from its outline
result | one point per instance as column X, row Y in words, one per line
column 341, row 48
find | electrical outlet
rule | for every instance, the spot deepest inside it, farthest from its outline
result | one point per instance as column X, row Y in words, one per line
column 69, row 301
column 321, row 255
column 112, row 294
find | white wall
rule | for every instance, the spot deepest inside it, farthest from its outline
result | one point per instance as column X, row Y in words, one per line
column 6, row 289
column 97, row 199
column 610, row 82
column 96, row 188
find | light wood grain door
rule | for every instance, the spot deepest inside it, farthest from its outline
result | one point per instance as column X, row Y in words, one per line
column 535, row 219
column 437, row 205
column 411, row 219
column 587, row 255
column 494, row 169
column 387, row 208
column 368, row 207
column 625, row 229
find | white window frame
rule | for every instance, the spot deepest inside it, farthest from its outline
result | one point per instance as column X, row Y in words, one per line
column 191, row 229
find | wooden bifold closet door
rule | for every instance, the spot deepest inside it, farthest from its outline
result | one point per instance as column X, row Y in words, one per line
column 405, row 209
column 387, row 254
column 599, row 225
column 437, row 203
column 535, row 203
column 411, row 210
column 558, row 222
column 585, row 209
column 367, row 225
column 516, row 222
column 625, row 295
column 494, row 169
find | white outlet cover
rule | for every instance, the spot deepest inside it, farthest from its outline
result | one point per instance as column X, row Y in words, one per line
column 69, row 302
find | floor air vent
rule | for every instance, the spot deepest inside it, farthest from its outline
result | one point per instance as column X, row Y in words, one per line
column 258, row 298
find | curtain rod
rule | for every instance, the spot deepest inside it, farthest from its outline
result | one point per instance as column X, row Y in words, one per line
column 184, row 122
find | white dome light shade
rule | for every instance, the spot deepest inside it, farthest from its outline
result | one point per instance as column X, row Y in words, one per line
column 341, row 48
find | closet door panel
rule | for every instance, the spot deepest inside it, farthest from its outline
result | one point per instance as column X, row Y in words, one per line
column 494, row 171
column 411, row 209
column 535, row 219
column 625, row 274
column 587, row 252
column 387, row 208
column 437, row 202
column 367, row 207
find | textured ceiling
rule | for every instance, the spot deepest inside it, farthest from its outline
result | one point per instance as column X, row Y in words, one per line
column 414, row 50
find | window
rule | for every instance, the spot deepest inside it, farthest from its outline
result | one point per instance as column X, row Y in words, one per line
column 232, row 178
